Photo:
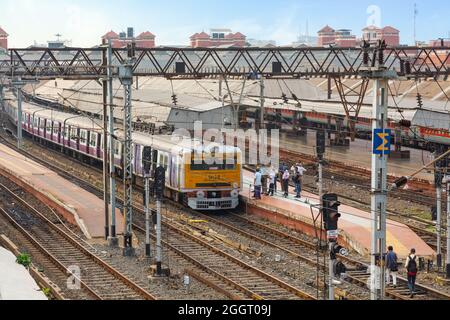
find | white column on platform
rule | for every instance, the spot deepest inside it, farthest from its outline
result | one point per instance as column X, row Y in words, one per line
column 379, row 193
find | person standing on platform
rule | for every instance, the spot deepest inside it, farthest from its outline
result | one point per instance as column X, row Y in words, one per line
column 264, row 180
column 391, row 267
column 258, row 184
column 411, row 267
column 286, row 177
column 299, row 172
column 272, row 181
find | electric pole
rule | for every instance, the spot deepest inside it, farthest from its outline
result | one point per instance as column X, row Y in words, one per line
column 126, row 78
column 160, row 183
column 113, row 241
column 147, row 165
column 263, row 101
column 2, row 98
column 448, row 225
column 105, row 146
column 381, row 136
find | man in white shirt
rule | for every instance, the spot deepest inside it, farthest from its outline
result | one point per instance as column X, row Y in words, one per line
column 272, row 181
column 258, row 184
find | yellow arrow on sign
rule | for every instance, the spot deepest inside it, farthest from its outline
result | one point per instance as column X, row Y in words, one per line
column 383, row 146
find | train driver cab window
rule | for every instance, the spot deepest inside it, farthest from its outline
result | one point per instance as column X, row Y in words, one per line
column 93, row 140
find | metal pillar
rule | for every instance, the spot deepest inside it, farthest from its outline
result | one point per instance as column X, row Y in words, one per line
column 2, row 98
column 158, row 237
column 379, row 191
column 147, row 215
column 19, row 116
column 126, row 78
column 331, row 274
column 113, row 241
column 263, row 101
column 105, row 148
column 448, row 228
column 439, row 225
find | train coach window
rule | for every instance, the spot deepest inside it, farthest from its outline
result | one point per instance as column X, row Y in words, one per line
column 83, row 136
column 73, row 134
column 41, row 124
column 55, row 128
column 35, row 123
column 48, row 127
column 116, row 147
column 93, row 142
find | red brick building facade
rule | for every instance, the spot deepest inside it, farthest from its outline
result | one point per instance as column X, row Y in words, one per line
column 218, row 38
column 389, row 34
column 341, row 38
column 3, row 39
column 144, row 40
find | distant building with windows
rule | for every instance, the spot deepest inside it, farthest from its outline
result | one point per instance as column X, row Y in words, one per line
column 342, row 38
column 327, row 36
column 145, row 40
column 390, row 35
column 217, row 38
column 3, row 39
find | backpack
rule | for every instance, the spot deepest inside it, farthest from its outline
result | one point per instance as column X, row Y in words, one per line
column 412, row 265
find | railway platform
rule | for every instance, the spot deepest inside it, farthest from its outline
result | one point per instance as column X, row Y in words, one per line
column 354, row 224
column 359, row 153
column 78, row 206
column 15, row 281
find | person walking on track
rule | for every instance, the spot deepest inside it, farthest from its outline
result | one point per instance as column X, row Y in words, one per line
column 411, row 267
column 391, row 267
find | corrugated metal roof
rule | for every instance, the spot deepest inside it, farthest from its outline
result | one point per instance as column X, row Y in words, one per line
column 432, row 119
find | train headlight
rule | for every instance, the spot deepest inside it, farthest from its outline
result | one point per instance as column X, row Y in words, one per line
column 234, row 194
column 235, row 185
column 201, row 195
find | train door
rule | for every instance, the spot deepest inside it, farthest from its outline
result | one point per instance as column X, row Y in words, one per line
column 99, row 137
column 78, row 138
column 88, row 142
column 137, row 159
column 59, row 133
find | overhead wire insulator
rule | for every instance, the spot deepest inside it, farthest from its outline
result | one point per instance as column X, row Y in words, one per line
column 419, row 101
column 285, row 98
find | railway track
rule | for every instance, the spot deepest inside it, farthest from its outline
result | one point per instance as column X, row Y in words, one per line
column 288, row 245
column 307, row 252
column 418, row 225
column 237, row 278
column 353, row 175
column 100, row 280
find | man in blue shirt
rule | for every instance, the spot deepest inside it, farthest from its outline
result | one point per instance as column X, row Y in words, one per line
column 391, row 266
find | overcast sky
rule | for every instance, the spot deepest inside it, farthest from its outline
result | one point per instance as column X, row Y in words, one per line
column 173, row 21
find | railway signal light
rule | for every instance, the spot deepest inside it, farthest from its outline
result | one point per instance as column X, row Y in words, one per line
column 147, row 160
column 321, row 143
column 160, row 182
column 331, row 215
